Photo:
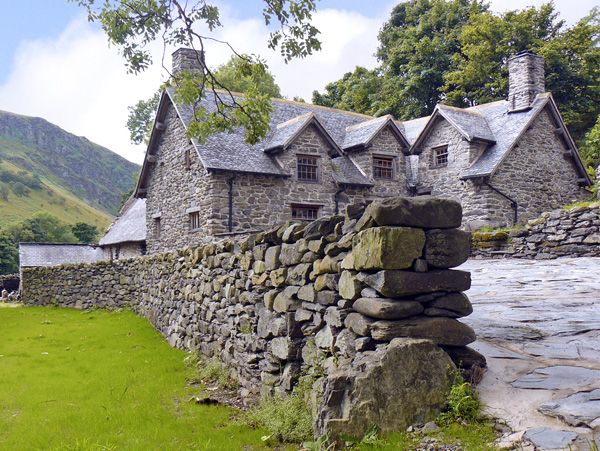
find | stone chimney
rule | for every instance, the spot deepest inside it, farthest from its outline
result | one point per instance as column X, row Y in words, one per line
column 525, row 80
column 187, row 59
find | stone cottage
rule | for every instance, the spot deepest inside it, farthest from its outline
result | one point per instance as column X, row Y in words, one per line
column 505, row 161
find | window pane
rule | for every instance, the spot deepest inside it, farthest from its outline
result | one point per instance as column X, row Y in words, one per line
column 383, row 168
column 440, row 156
column 308, row 168
column 305, row 213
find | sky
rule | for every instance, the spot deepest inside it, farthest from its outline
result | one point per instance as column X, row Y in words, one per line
column 56, row 65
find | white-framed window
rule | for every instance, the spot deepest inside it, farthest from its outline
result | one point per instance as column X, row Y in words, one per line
column 439, row 156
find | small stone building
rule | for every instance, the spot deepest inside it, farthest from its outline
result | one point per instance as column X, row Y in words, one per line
column 126, row 236
column 505, row 161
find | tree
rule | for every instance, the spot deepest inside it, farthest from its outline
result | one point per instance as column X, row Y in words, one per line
column 356, row 91
column 590, row 148
column 456, row 52
column 132, row 25
column 140, row 119
column 141, row 115
column 572, row 60
column 85, row 233
column 9, row 254
column 416, row 48
column 43, row 228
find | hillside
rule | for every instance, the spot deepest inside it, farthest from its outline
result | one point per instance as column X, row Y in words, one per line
column 91, row 172
column 46, row 169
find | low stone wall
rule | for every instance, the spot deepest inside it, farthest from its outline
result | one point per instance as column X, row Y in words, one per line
column 365, row 301
column 561, row 233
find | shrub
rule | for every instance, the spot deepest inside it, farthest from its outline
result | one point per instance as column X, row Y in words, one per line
column 463, row 404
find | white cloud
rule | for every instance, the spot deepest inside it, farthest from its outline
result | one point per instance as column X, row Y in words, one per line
column 77, row 82
column 570, row 10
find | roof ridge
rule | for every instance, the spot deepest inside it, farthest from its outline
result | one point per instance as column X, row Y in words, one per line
column 295, row 102
column 462, row 110
column 295, row 119
column 366, row 123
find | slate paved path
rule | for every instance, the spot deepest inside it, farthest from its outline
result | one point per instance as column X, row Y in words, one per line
column 538, row 324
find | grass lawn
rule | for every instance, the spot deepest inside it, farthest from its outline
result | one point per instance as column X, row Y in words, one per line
column 101, row 380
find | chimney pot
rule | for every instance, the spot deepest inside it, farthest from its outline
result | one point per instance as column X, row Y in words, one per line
column 525, row 80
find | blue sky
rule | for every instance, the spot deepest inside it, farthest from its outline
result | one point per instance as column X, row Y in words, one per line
column 55, row 65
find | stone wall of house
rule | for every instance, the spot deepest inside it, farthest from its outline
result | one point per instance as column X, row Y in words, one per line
column 445, row 180
column 174, row 188
column 365, row 301
column 560, row 233
column 384, row 144
column 536, row 174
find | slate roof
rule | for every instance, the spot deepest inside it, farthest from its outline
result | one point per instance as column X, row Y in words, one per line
column 130, row 225
column 413, row 128
column 506, row 128
column 471, row 124
column 489, row 122
column 362, row 133
column 345, row 172
column 54, row 254
column 285, row 132
column 229, row 151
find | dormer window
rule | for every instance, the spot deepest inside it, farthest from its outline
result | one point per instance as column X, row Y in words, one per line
column 308, row 168
column 440, row 156
column 383, row 167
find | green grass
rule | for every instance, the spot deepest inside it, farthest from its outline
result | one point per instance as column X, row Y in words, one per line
column 52, row 199
column 583, row 203
column 102, row 380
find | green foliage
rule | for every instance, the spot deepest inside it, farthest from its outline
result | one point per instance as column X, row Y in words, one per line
column 357, row 91
column 207, row 371
column 462, row 405
column 140, row 119
column 288, row 418
column 116, row 384
column 85, row 233
column 133, row 26
column 9, row 254
column 456, row 52
column 21, row 181
column 43, row 228
column 590, row 147
column 239, row 75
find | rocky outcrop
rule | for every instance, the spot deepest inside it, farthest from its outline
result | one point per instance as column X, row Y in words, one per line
column 352, row 296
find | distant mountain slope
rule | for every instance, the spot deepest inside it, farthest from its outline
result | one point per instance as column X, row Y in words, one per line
column 70, row 165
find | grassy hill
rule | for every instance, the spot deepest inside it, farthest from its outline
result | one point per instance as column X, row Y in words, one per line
column 46, row 169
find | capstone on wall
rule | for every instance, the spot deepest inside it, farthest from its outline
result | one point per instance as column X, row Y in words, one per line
column 355, row 300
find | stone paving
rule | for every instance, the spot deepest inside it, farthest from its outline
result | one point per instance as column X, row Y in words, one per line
column 538, row 324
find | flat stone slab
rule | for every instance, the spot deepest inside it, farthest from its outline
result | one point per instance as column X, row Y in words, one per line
column 557, row 378
column 580, row 409
column 550, row 439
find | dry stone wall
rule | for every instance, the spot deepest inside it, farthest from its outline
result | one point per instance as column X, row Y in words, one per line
column 367, row 299
column 573, row 232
